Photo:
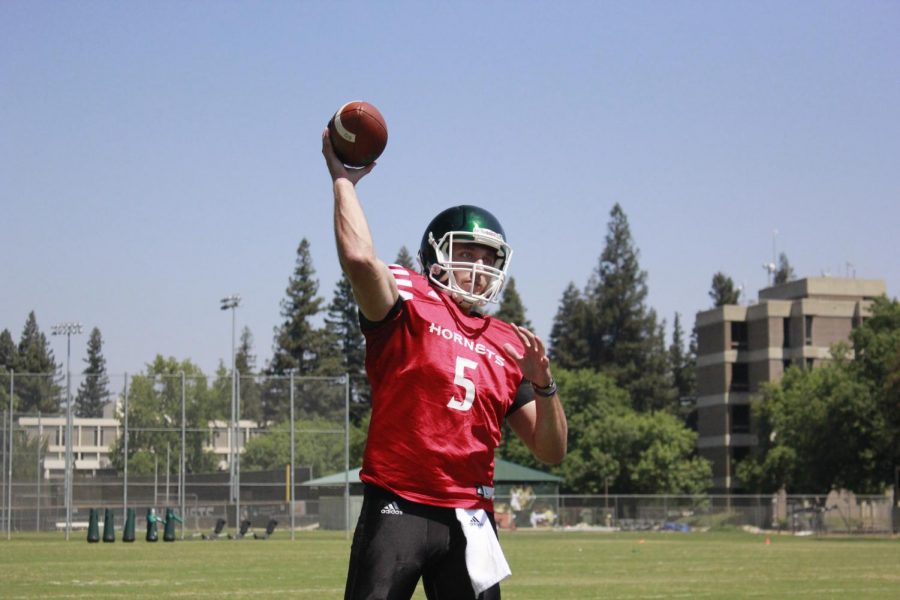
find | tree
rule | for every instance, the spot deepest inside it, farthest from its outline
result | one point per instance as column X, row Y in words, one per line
column 613, row 447
column 683, row 363
column 93, row 393
column 569, row 335
column 319, row 443
column 154, row 419
column 299, row 346
column 405, row 259
column 837, row 425
column 9, row 359
column 624, row 337
column 36, row 388
column 343, row 324
column 245, row 365
column 723, row 291
column 785, row 272
column 9, row 354
column 817, row 429
column 876, row 348
column 511, row 308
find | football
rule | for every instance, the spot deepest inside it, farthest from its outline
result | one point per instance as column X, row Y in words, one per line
column 358, row 133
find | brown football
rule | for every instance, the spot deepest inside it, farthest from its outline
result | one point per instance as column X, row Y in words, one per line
column 358, row 133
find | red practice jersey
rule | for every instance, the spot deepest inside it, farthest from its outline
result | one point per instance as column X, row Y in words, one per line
column 441, row 387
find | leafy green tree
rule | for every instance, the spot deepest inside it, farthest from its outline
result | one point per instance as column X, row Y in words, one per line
column 405, row 259
column 511, row 308
column 723, row 290
column 36, row 388
column 819, row 430
column 612, row 445
column 319, row 443
column 26, row 450
column 876, row 364
column 785, row 272
column 154, row 419
column 837, row 425
column 569, row 346
column 93, row 393
column 625, row 339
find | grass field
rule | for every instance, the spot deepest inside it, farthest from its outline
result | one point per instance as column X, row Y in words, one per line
column 546, row 565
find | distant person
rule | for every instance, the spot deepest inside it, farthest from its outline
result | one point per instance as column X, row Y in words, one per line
column 444, row 376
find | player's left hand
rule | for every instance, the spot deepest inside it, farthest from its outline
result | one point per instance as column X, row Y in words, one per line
column 336, row 168
column 533, row 359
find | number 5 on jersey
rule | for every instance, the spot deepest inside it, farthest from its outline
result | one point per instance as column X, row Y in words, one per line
column 465, row 383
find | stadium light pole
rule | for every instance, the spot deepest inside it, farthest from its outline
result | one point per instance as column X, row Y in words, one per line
column 231, row 303
column 68, row 329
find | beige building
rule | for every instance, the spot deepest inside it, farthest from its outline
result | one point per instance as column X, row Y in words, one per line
column 739, row 348
column 93, row 439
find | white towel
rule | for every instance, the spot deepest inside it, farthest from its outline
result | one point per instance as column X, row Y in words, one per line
column 484, row 558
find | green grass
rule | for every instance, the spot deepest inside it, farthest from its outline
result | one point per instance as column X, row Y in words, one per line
column 554, row 565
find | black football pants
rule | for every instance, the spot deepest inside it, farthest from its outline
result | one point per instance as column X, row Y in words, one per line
column 397, row 541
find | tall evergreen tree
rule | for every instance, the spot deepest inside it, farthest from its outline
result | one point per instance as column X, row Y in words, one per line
column 785, row 271
column 9, row 358
column 9, row 354
column 343, row 323
column 723, row 291
column 569, row 336
column 245, row 365
column 683, row 363
column 625, row 339
column 93, row 392
column 299, row 346
column 36, row 388
column 511, row 308
column 405, row 259
column 297, row 343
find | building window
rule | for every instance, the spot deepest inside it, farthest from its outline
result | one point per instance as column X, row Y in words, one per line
column 785, row 364
column 740, row 418
column 807, row 329
column 740, row 377
column 786, row 332
column 738, row 335
column 810, row 363
column 739, row 453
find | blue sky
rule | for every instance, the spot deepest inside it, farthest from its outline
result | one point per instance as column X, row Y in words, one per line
column 157, row 156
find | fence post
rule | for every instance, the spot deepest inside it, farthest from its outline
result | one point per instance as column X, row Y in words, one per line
column 9, row 457
column 40, row 444
column 293, row 467
column 181, row 474
column 347, row 455
column 125, row 455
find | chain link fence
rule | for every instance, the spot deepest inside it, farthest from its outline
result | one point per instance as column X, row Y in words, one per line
column 225, row 453
column 211, row 448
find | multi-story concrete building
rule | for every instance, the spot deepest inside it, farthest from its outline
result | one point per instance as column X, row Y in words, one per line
column 739, row 348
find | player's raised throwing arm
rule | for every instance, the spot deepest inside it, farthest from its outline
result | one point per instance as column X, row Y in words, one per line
column 373, row 286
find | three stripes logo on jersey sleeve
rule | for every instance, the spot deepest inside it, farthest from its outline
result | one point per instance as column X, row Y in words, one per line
column 405, row 284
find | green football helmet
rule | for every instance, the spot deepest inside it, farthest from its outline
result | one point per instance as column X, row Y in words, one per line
column 470, row 225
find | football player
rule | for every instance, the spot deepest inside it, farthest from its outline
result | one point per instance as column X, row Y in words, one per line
column 444, row 376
